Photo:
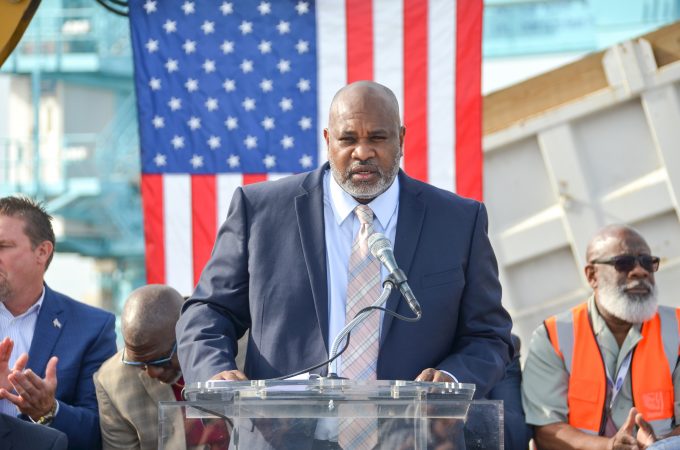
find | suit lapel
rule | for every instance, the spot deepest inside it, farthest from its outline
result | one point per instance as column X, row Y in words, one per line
column 48, row 327
column 409, row 225
column 309, row 210
column 4, row 433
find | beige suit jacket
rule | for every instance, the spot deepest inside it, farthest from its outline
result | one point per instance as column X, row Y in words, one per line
column 128, row 408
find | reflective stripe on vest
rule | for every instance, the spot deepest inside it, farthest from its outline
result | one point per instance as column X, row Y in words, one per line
column 572, row 337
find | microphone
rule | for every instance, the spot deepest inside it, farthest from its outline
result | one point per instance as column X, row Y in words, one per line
column 381, row 248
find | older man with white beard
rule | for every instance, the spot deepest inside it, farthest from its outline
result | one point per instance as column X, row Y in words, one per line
column 604, row 375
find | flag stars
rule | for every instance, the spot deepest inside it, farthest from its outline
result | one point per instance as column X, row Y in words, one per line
column 214, row 142
column 303, row 85
column 227, row 47
column 283, row 27
column 268, row 123
column 175, row 103
column 265, row 47
column 302, row 46
column 171, row 65
column 305, row 123
column 188, row 8
column 266, row 85
column 302, row 8
column 227, row 8
column 196, row 161
column 248, row 104
column 160, row 160
column 152, row 45
column 189, row 46
column 194, row 123
column 286, row 104
column 264, row 8
column 246, row 66
column 155, row 84
column 250, row 142
column 158, row 122
column 177, row 142
column 231, row 123
column 246, row 27
column 170, row 26
column 233, row 161
column 191, row 85
column 269, row 161
column 229, row 85
column 211, row 104
column 287, row 141
column 283, row 66
column 150, row 6
column 305, row 161
column 208, row 27
column 209, row 66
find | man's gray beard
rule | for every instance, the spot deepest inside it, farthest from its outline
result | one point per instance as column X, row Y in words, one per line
column 5, row 290
column 363, row 190
column 629, row 307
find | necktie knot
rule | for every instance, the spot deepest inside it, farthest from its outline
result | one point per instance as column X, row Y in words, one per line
column 364, row 214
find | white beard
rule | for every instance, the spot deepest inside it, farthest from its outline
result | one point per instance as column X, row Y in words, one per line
column 631, row 308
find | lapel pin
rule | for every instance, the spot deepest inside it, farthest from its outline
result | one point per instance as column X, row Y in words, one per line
column 56, row 323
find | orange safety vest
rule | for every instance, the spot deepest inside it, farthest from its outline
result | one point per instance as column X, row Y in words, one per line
column 653, row 361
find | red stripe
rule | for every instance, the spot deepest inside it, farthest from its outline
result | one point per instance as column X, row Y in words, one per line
column 359, row 23
column 415, row 88
column 154, row 242
column 250, row 178
column 469, row 168
column 203, row 220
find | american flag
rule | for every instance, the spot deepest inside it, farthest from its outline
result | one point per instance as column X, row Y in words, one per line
column 231, row 93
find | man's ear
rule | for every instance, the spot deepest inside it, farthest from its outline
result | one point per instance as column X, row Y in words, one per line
column 326, row 137
column 402, row 135
column 43, row 252
column 591, row 275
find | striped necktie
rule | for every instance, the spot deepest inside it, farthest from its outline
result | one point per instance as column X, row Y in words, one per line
column 360, row 360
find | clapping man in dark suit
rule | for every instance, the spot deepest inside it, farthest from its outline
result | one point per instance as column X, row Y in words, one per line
column 52, row 344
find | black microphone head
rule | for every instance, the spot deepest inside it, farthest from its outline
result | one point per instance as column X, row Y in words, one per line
column 378, row 242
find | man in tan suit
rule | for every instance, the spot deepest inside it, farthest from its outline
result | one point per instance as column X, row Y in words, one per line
column 146, row 371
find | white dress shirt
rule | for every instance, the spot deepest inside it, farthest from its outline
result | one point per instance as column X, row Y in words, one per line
column 341, row 228
column 20, row 329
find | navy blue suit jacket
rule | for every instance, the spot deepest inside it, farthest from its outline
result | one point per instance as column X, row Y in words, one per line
column 15, row 434
column 268, row 274
column 82, row 337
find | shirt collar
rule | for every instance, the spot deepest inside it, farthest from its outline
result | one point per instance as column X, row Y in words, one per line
column 35, row 308
column 343, row 204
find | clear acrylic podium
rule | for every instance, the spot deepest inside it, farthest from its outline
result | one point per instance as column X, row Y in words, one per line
column 405, row 415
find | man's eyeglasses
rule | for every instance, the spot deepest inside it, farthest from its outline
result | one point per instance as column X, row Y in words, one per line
column 162, row 362
column 626, row 263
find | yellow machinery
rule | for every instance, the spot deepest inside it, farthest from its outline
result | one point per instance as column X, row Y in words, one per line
column 15, row 15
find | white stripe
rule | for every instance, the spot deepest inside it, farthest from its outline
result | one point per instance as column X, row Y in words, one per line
column 226, row 185
column 388, row 46
column 177, row 223
column 441, row 65
column 331, row 60
column 271, row 176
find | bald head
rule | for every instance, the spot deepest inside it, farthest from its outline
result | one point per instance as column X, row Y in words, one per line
column 150, row 315
column 355, row 95
column 609, row 238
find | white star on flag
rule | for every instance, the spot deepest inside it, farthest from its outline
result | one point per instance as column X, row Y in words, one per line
column 188, row 8
column 233, row 161
column 268, row 123
column 250, row 142
column 196, row 161
column 264, row 8
column 283, row 66
column 287, row 142
column 283, row 27
column 227, row 47
column 302, row 46
column 158, row 122
column 305, row 123
column 214, row 142
column 175, row 103
column 152, row 45
column 226, row 8
column 249, row 104
column 302, row 8
column 150, row 7
column 286, row 104
column 246, row 27
column 172, row 65
column 160, row 160
column 229, row 85
column 211, row 104
column 155, row 84
column 208, row 27
column 177, row 142
column 231, row 123
column 306, row 161
column 209, row 66
column 189, row 46
column 265, row 47
column 269, row 161
column 170, row 26
column 191, row 85
column 303, row 85
column 266, row 85
column 194, row 123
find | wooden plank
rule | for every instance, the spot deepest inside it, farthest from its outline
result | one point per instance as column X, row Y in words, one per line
column 534, row 96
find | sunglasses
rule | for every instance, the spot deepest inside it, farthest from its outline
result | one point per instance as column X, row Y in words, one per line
column 626, row 263
column 162, row 362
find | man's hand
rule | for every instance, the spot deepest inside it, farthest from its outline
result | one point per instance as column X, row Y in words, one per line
column 6, row 347
column 434, row 375
column 230, row 375
column 645, row 434
column 624, row 439
column 35, row 396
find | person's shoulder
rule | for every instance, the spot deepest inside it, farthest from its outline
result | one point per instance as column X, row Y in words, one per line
column 41, row 437
column 76, row 307
column 437, row 195
column 113, row 373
